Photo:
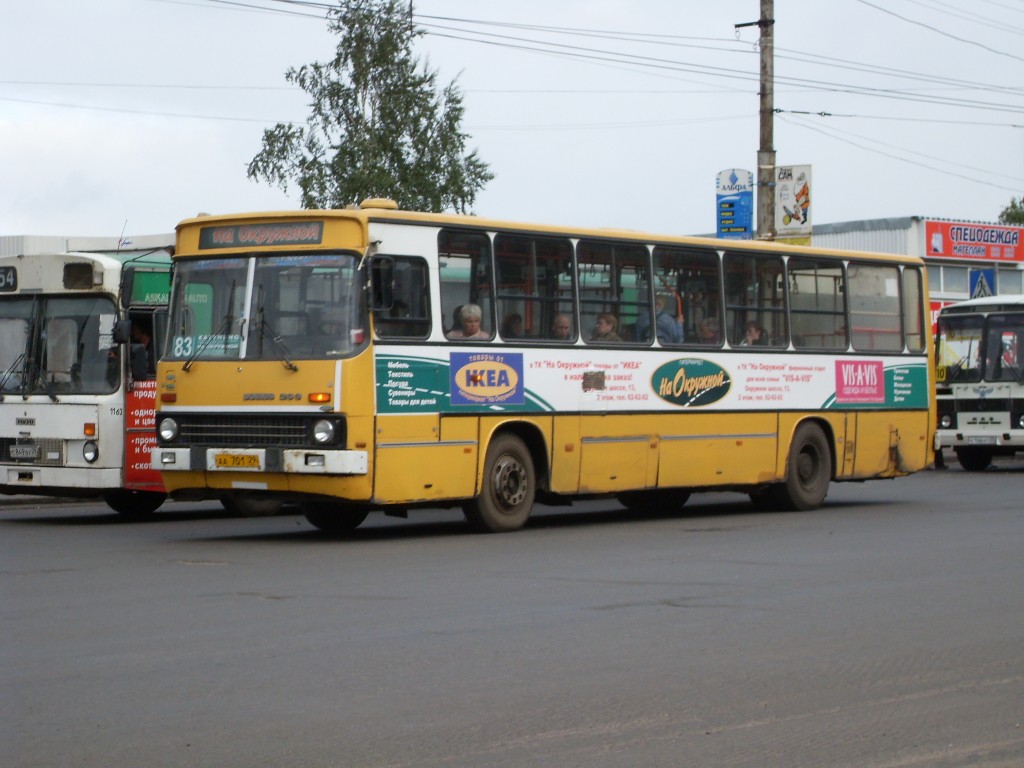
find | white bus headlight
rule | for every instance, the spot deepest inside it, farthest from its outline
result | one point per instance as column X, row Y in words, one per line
column 90, row 451
column 168, row 430
column 1020, row 421
column 946, row 422
column 324, row 432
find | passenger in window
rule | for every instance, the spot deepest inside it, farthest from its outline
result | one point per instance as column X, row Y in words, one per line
column 561, row 328
column 606, row 328
column 754, row 335
column 669, row 327
column 708, row 331
column 470, row 317
column 512, row 326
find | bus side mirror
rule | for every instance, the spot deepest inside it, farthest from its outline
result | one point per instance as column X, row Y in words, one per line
column 127, row 286
column 382, row 283
column 122, row 331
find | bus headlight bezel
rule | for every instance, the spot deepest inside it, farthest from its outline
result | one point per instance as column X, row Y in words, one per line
column 90, row 451
column 946, row 421
column 167, row 430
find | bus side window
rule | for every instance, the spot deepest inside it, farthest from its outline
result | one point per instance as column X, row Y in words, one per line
column 535, row 287
column 464, row 268
column 408, row 315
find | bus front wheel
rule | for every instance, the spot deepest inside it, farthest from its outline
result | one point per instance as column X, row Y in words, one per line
column 973, row 459
column 809, row 470
column 508, row 489
column 133, row 504
column 334, row 518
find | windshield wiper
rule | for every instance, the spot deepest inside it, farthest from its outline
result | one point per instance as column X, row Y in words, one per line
column 7, row 374
column 284, row 354
column 223, row 328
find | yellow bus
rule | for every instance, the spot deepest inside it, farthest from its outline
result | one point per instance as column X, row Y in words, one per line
column 347, row 361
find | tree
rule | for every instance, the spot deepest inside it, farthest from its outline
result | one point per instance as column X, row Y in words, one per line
column 377, row 127
column 1013, row 213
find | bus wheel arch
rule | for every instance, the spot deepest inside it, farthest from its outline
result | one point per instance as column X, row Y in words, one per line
column 508, row 485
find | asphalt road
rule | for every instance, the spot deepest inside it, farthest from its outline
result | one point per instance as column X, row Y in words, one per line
column 885, row 629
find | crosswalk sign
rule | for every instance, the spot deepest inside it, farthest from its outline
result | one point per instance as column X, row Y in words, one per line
column 982, row 281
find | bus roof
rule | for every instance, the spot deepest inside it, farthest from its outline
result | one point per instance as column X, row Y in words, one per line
column 382, row 210
column 985, row 304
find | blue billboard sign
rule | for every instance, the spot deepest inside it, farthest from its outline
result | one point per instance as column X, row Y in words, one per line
column 734, row 201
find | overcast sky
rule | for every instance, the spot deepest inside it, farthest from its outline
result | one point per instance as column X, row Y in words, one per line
column 133, row 114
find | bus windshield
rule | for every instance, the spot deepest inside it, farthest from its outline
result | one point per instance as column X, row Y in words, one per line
column 275, row 307
column 958, row 348
column 58, row 345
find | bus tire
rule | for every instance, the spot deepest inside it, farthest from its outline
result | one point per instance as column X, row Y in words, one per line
column 508, row 489
column 973, row 459
column 658, row 502
column 133, row 504
column 808, row 470
column 337, row 519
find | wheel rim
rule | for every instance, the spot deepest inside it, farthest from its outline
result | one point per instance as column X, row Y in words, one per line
column 807, row 467
column 510, row 482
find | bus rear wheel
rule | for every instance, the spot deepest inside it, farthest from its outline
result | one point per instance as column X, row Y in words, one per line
column 334, row 518
column 973, row 459
column 808, row 471
column 133, row 504
column 509, row 486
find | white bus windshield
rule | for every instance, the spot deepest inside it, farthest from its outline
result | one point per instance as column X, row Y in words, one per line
column 58, row 345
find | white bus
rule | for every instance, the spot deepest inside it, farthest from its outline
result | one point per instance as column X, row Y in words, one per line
column 77, row 379
column 979, row 392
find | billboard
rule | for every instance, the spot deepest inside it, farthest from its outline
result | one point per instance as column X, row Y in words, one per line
column 968, row 240
column 734, row 199
column 793, row 201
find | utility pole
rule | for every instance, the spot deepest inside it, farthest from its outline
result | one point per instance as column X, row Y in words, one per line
column 766, row 150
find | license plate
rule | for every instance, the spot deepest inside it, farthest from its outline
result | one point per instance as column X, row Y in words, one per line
column 24, row 451
column 237, row 461
column 981, row 441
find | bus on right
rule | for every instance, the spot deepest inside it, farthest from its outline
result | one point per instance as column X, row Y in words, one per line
column 979, row 392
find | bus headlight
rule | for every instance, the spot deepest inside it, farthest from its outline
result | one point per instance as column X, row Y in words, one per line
column 168, row 430
column 324, row 432
column 1020, row 421
column 946, row 421
column 90, row 451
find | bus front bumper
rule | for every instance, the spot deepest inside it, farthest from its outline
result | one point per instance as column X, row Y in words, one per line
column 309, row 461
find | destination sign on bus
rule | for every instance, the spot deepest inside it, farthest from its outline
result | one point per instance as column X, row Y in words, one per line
column 8, row 279
column 247, row 235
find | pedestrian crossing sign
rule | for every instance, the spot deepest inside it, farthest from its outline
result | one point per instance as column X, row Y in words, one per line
column 982, row 282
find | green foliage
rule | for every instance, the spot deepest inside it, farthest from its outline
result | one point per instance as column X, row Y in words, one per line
column 378, row 126
column 1013, row 213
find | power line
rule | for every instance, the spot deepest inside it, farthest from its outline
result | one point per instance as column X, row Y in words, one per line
column 938, row 31
column 890, row 155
